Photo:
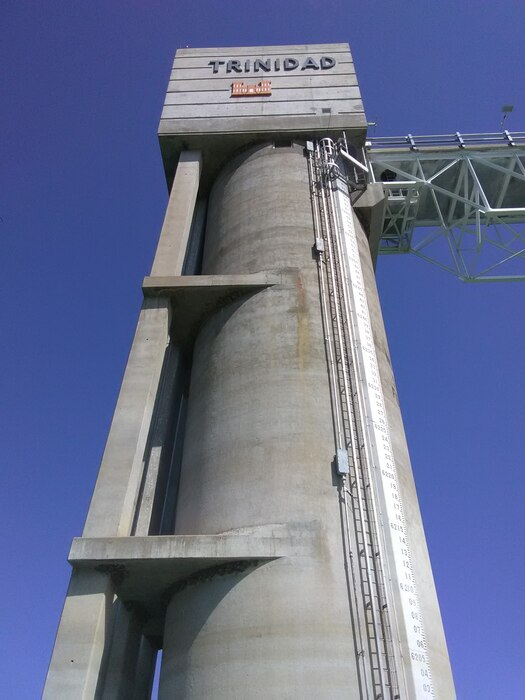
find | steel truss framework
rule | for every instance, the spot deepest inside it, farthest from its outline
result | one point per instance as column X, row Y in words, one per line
column 457, row 201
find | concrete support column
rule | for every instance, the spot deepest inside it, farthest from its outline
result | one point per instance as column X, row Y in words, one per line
column 144, row 671
column 81, row 639
column 259, row 450
column 118, row 680
column 158, row 452
column 113, row 503
column 174, row 236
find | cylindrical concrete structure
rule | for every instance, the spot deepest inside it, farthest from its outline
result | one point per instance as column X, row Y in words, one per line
column 259, row 450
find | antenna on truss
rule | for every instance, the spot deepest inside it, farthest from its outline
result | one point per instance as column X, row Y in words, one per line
column 506, row 109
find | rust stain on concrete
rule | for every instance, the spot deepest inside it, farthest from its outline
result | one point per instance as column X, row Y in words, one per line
column 303, row 333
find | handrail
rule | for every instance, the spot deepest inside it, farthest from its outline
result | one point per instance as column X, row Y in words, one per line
column 414, row 143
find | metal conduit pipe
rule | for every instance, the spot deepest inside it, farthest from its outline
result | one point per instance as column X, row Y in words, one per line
column 315, row 178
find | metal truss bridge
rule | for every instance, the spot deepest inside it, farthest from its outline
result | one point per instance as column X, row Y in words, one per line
column 457, row 201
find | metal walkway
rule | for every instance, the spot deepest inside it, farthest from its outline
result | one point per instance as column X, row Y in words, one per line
column 455, row 200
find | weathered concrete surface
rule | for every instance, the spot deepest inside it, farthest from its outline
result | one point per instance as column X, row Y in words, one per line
column 305, row 103
column 259, row 448
column 117, row 681
column 158, row 455
column 370, row 208
column 113, row 503
column 260, row 541
column 100, row 651
column 155, row 286
column 145, row 569
column 194, row 297
column 144, row 672
column 87, row 610
column 114, row 500
column 81, row 639
column 253, row 610
column 175, row 232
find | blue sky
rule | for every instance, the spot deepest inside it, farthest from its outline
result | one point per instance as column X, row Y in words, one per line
column 81, row 203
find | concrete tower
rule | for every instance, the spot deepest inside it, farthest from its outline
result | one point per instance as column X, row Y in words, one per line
column 255, row 515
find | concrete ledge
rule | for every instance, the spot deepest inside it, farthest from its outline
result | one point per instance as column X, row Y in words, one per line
column 195, row 297
column 153, row 286
column 251, row 542
column 220, row 145
column 145, row 570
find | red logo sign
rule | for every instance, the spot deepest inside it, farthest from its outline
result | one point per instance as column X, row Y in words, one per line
column 240, row 89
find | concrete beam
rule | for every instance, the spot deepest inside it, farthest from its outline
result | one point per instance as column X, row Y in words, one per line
column 118, row 678
column 217, row 149
column 195, row 297
column 114, row 499
column 370, row 208
column 171, row 285
column 267, row 541
column 144, row 569
column 174, row 236
column 164, row 432
column 144, row 671
column 82, row 638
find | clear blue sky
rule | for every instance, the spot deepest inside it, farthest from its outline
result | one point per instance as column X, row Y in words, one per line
column 81, row 202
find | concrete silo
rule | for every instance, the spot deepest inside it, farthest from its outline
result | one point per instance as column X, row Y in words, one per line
column 255, row 515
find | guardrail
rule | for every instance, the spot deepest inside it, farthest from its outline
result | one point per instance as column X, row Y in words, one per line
column 458, row 140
